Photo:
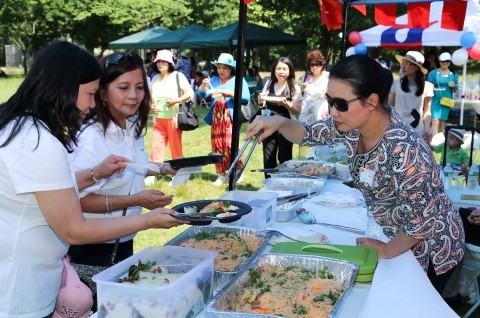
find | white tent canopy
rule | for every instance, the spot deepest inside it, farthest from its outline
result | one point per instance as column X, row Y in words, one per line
column 432, row 36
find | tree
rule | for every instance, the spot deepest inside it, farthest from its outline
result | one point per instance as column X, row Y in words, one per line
column 31, row 24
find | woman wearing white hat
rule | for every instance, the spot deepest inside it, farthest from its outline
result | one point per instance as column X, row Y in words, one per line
column 168, row 90
column 411, row 95
column 445, row 82
column 221, row 114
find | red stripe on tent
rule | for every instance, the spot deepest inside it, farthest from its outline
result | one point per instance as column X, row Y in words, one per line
column 418, row 14
column 331, row 14
column 248, row 1
column 362, row 8
column 397, row 46
column 453, row 15
column 386, row 14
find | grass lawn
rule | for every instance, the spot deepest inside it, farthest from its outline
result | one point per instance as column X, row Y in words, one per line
column 196, row 143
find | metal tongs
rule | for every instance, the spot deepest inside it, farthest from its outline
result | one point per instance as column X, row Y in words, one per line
column 265, row 112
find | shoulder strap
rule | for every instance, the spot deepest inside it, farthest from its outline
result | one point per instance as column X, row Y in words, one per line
column 178, row 84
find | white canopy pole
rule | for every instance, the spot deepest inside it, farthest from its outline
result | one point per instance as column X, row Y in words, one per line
column 464, row 80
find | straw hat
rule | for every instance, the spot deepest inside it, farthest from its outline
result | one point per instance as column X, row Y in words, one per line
column 226, row 59
column 164, row 55
column 414, row 57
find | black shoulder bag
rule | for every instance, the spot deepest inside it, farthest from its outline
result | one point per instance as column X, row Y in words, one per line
column 186, row 118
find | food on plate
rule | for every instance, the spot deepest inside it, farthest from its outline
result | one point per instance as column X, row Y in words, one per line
column 232, row 249
column 308, row 167
column 226, row 214
column 149, row 274
column 219, row 206
column 290, row 292
column 190, row 210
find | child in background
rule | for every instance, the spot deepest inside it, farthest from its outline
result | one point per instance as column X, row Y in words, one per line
column 456, row 155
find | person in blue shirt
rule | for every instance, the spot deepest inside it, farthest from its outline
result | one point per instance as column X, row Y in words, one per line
column 183, row 66
column 220, row 115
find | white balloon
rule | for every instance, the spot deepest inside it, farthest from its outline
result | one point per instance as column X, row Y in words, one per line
column 350, row 51
column 460, row 57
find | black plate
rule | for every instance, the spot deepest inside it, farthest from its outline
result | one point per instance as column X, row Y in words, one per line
column 243, row 209
column 194, row 161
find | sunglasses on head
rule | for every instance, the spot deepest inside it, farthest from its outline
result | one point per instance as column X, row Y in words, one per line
column 340, row 104
column 119, row 58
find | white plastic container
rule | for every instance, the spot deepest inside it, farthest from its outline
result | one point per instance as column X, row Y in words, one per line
column 184, row 297
column 264, row 208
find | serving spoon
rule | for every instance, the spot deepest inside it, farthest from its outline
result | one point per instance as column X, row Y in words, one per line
column 306, row 217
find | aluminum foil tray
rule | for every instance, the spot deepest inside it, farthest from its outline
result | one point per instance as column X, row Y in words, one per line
column 286, row 212
column 344, row 272
column 221, row 278
column 328, row 167
column 296, row 185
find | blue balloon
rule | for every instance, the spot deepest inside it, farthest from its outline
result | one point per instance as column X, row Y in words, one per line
column 468, row 39
column 361, row 49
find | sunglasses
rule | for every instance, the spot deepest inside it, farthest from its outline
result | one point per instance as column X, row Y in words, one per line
column 119, row 58
column 340, row 104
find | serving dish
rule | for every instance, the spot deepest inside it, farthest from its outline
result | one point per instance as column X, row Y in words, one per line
column 225, row 302
column 194, row 161
column 222, row 277
column 206, row 218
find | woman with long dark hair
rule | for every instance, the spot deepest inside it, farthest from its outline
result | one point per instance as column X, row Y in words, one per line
column 411, row 95
column 283, row 97
column 390, row 164
column 39, row 206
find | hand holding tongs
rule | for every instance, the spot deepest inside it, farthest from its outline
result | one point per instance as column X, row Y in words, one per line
column 265, row 112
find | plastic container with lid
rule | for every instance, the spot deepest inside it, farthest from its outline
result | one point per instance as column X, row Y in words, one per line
column 264, row 208
column 184, row 297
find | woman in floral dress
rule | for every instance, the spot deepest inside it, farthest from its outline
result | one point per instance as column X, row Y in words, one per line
column 390, row 164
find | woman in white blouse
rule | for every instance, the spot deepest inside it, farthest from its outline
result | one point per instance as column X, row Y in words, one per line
column 411, row 95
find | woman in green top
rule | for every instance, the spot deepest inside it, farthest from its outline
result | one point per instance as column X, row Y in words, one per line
column 169, row 88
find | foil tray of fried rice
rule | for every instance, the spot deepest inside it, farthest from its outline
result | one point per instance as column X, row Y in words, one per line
column 237, row 294
column 225, row 269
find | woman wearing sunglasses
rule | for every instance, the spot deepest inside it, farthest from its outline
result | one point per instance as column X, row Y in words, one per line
column 39, row 206
column 411, row 95
column 390, row 164
column 118, row 126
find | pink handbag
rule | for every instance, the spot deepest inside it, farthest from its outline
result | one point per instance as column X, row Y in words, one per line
column 74, row 299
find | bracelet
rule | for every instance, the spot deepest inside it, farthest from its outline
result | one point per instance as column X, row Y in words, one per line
column 162, row 165
column 106, row 203
column 92, row 174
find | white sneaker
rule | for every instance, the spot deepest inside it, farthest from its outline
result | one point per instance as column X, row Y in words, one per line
column 220, row 180
column 150, row 181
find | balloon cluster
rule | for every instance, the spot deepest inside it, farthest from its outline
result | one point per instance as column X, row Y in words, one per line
column 358, row 47
column 468, row 41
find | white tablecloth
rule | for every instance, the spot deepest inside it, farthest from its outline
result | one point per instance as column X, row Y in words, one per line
column 456, row 196
column 400, row 288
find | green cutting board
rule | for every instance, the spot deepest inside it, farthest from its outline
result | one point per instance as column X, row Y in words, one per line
column 365, row 257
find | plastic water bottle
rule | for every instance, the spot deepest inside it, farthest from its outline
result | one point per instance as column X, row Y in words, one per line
column 473, row 177
column 448, row 173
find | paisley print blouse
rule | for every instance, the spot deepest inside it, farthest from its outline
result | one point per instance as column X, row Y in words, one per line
column 406, row 192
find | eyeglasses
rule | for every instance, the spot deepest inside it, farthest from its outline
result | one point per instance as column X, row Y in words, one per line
column 119, row 58
column 406, row 63
column 340, row 104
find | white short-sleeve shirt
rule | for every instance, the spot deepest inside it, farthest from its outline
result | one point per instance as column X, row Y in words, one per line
column 405, row 103
column 30, row 250
column 93, row 146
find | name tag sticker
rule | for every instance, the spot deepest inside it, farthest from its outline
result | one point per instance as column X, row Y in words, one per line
column 366, row 176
